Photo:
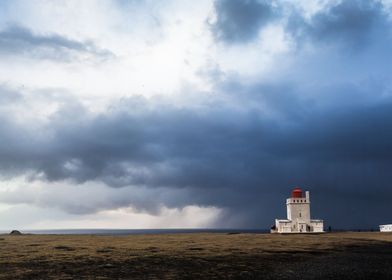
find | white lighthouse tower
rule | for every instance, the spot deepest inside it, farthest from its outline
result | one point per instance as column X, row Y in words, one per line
column 298, row 216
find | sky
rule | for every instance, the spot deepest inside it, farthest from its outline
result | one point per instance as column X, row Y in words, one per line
column 194, row 114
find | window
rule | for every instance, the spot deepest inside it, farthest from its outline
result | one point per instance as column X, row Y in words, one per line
column 300, row 214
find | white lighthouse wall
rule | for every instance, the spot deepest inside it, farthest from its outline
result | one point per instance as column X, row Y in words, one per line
column 298, row 209
column 317, row 225
column 283, row 226
column 386, row 228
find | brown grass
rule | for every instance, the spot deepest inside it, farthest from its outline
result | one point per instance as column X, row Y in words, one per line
column 357, row 255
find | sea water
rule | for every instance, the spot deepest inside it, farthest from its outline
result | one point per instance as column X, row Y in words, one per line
column 137, row 231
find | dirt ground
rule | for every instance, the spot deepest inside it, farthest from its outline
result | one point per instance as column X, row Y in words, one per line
column 349, row 255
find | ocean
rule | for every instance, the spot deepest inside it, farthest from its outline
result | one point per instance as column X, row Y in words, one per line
column 136, row 231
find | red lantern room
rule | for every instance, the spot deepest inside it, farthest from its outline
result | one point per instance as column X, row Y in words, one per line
column 297, row 192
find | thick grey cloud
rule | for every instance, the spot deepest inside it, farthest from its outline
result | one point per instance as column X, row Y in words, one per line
column 19, row 40
column 352, row 23
column 245, row 161
column 239, row 21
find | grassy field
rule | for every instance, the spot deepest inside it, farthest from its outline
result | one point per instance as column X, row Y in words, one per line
column 348, row 255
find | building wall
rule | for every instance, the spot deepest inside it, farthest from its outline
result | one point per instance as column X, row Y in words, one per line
column 317, row 226
column 286, row 226
column 283, row 226
column 386, row 228
column 298, row 209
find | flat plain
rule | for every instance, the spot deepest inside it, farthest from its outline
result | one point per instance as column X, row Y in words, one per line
column 345, row 255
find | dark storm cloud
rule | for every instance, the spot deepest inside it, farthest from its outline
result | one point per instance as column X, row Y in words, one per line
column 353, row 23
column 245, row 161
column 19, row 40
column 240, row 21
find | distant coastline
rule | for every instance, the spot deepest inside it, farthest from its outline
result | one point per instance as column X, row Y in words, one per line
column 157, row 231
column 136, row 231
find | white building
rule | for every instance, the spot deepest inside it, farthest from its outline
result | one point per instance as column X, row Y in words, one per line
column 298, row 216
column 386, row 228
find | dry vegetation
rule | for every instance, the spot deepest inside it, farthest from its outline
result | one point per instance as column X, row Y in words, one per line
column 197, row 256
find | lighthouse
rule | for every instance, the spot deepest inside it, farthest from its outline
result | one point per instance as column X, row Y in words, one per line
column 298, row 215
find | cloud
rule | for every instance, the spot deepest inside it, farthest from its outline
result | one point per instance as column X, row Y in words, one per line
column 8, row 96
column 28, row 218
column 351, row 23
column 244, row 161
column 236, row 138
column 240, row 21
column 19, row 40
